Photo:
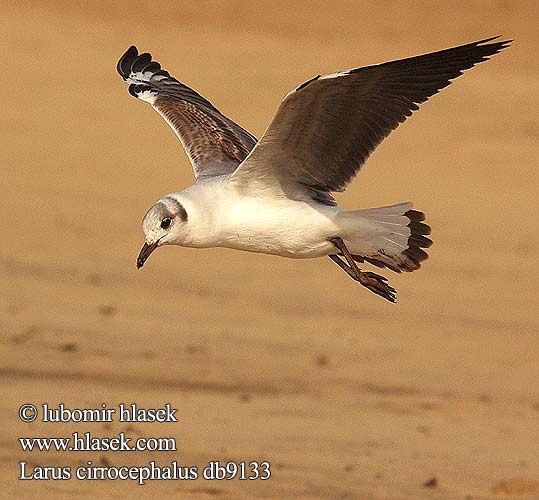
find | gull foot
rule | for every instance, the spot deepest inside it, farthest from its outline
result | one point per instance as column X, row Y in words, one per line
column 377, row 284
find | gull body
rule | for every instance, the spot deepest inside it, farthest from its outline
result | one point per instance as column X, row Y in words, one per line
column 273, row 195
column 220, row 216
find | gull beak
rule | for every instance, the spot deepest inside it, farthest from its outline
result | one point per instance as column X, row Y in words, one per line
column 145, row 252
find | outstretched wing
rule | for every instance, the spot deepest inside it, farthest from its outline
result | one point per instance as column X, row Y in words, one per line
column 325, row 130
column 214, row 143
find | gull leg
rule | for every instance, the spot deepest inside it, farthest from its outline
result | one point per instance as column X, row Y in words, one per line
column 345, row 267
column 374, row 282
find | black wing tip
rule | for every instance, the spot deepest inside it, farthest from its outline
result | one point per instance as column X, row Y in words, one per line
column 490, row 39
column 495, row 47
column 487, row 47
column 133, row 62
column 124, row 63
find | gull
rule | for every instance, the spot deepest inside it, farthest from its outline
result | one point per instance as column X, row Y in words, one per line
column 273, row 195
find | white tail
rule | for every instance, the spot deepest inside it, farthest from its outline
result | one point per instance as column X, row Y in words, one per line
column 390, row 237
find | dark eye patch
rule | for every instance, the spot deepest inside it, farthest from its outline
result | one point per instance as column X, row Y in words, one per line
column 183, row 214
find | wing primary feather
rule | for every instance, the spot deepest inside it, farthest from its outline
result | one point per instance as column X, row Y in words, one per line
column 124, row 64
column 140, row 61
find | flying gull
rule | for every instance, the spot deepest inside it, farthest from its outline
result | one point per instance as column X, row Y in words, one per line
column 273, row 195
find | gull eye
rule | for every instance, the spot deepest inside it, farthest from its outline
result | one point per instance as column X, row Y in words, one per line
column 165, row 223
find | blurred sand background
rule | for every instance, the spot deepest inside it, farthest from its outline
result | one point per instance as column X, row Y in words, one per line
column 346, row 395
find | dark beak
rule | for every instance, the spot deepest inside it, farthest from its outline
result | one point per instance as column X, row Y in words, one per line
column 145, row 252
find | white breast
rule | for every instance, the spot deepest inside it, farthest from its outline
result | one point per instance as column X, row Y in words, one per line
column 280, row 227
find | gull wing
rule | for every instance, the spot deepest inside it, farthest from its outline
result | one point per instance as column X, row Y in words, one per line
column 214, row 143
column 325, row 130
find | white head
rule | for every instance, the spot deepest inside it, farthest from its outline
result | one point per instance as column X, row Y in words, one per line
column 163, row 224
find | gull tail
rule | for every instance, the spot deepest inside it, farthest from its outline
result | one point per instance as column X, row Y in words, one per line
column 392, row 237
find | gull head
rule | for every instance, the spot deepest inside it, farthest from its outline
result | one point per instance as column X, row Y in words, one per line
column 162, row 225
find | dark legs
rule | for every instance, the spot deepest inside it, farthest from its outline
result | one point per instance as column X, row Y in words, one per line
column 374, row 282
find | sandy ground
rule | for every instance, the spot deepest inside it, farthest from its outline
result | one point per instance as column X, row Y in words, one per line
column 345, row 394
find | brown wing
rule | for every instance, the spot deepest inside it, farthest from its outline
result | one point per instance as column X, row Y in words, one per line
column 214, row 143
column 325, row 130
